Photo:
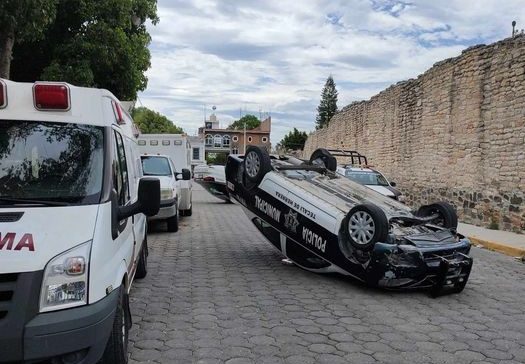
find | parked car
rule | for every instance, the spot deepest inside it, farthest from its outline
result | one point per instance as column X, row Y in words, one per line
column 372, row 179
column 73, row 206
column 175, row 189
column 213, row 179
column 324, row 223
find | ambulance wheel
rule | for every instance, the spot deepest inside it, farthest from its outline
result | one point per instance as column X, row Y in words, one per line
column 256, row 163
column 364, row 226
column 173, row 223
column 446, row 214
column 142, row 266
column 116, row 351
column 323, row 157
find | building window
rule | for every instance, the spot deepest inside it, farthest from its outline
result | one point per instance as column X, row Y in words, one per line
column 217, row 141
column 235, row 138
column 153, row 142
column 142, row 142
column 226, row 141
column 177, row 142
column 209, row 140
column 208, row 125
column 249, row 139
column 196, row 153
column 264, row 139
column 165, row 142
column 235, row 150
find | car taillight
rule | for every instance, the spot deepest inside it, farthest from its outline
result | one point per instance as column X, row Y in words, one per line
column 3, row 95
column 51, row 96
column 208, row 179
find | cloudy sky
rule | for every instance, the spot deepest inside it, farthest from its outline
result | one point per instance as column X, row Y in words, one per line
column 273, row 56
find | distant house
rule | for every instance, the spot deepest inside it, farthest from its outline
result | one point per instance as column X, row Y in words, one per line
column 217, row 140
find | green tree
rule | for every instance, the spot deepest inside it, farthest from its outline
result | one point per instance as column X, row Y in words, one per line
column 251, row 122
column 328, row 105
column 22, row 21
column 101, row 43
column 294, row 140
column 151, row 122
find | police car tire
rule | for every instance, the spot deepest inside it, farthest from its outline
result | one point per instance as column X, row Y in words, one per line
column 173, row 223
column 265, row 164
column 116, row 351
column 449, row 217
column 324, row 155
column 380, row 226
column 142, row 266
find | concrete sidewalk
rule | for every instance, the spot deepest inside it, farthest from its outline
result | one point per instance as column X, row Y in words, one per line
column 502, row 241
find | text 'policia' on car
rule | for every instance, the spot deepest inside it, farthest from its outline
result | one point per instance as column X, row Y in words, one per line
column 327, row 223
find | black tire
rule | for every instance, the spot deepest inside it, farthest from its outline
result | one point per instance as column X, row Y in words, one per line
column 185, row 212
column 173, row 223
column 364, row 226
column 256, row 164
column 323, row 156
column 116, row 351
column 142, row 265
column 447, row 216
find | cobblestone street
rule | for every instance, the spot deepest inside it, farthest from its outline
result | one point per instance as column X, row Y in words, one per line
column 217, row 292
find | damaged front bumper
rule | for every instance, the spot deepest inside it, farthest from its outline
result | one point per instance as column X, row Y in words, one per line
column 405, row 266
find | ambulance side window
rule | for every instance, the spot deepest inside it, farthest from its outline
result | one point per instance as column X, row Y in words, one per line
column 121, row 181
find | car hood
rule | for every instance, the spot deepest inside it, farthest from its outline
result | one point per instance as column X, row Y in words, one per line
column 165, row 181
column 381, row 189
column 42, row 233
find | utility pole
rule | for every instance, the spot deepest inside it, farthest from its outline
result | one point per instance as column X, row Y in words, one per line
column 244, row 138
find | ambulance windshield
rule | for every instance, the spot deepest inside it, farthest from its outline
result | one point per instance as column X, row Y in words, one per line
column 55, row 162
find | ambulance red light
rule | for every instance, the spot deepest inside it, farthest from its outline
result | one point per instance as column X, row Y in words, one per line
column 3, row 95
column 51, row 96
column 117, row 109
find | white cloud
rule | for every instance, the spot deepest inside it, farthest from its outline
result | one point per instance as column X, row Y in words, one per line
column 275, row 55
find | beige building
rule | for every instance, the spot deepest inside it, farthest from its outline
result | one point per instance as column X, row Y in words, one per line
column 217, row 140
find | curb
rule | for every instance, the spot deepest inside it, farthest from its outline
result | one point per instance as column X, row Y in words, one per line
column 499, row 247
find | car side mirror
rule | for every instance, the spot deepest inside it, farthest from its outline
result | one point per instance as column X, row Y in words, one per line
column 186, row 174
column 393, row 184
column 148, row 201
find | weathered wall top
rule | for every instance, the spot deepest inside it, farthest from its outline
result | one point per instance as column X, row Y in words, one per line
column 454, row 133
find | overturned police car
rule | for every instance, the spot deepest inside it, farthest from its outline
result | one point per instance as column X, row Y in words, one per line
column 326, row 223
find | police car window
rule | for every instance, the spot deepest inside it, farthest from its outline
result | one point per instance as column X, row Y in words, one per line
column 51, row 161
column 122, row 171
column 367, row 178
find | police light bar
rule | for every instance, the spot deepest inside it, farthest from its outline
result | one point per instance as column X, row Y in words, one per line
column 3, row 95
column 48, row 96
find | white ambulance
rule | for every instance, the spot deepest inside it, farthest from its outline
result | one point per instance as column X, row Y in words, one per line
column 72, row 223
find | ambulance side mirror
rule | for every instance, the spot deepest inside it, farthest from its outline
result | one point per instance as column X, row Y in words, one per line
column 148, row 201
column 186, row 174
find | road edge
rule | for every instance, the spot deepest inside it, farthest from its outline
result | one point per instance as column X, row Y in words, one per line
column 499, row 247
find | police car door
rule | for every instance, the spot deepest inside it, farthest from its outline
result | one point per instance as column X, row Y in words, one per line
column 125, row 238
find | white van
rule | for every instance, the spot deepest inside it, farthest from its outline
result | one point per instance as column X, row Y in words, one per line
column 175, row 189
column 72, row 223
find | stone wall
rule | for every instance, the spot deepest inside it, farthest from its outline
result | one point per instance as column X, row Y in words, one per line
column 455, row 133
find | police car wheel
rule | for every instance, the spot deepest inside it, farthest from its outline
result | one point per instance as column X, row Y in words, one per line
column 445, row 212
column 256, row 164
column 116, row 351
column 323, row 157
column 366, row 225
